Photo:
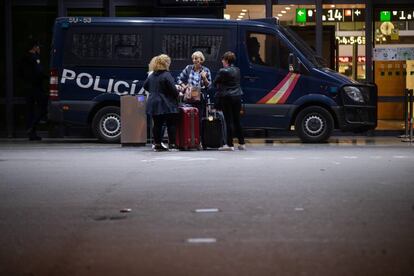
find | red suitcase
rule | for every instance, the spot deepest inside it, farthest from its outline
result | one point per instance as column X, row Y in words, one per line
column 188, row 132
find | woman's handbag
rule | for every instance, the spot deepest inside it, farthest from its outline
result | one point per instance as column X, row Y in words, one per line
column 192, row 94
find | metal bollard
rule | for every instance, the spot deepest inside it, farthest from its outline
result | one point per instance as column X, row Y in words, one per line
column 411, row 115
column 406, row 91
column 408, row 116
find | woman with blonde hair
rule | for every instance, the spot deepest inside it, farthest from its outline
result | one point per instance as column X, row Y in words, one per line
column 162, row 102
column 196, row 76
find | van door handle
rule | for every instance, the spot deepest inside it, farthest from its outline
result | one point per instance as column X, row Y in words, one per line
column 251, row 78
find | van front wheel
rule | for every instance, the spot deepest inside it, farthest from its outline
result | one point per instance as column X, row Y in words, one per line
column 106, row 124
column 314, row 124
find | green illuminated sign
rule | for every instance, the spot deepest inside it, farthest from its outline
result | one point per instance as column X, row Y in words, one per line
column 300, row 15
column 385, row 16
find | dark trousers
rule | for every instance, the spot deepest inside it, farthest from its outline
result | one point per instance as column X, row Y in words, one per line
column 36, row 104
column 201, row 113
column 231, row 107
column 157, row 130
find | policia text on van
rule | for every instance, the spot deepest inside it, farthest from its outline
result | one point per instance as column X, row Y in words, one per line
column 95, row 60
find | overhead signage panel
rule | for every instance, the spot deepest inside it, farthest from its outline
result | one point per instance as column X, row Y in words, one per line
column 330, row 15
column 395, row 15
column 191, row 3
column 301, row 15
column 349, row 40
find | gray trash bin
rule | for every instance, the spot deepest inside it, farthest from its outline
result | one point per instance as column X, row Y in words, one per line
column 133, row 120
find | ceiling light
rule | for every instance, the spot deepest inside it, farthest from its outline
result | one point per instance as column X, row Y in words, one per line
column 242, row 13
column 240, row 16
column 244, row 10
column 332, row 6
column 292, row 5
column 238, row 19
column 283, row 11
column 279, row 14
column 287, row 8
column 227, row 16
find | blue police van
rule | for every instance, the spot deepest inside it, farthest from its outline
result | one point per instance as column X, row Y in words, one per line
column 94, row 61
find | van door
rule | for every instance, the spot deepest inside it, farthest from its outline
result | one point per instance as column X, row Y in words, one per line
column 266, row 81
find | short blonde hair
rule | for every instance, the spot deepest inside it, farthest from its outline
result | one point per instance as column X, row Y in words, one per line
column 151, row 65
column 161, row 62
column 198, row 54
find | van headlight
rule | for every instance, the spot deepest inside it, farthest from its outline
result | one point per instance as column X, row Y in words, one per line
column 354, row 93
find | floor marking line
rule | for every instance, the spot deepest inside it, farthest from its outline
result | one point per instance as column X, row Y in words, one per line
column 207, row 210
column 201, row 240
column 350, row 157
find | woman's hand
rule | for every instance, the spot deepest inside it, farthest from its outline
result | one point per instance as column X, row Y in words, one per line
column 204, row 77
column 181, row 87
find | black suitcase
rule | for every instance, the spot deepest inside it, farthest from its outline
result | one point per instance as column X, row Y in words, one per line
column 213, row 130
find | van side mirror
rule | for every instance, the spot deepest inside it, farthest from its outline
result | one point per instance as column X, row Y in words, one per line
column 293, row 63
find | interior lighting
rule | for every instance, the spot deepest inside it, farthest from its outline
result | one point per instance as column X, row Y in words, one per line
column 227, row 16
column 244, row 10
column 279, row 14
column 287, row 8
column 240, row 16
column 238, row 19
column 243, row 13
column 332, row 6
column 283, row 11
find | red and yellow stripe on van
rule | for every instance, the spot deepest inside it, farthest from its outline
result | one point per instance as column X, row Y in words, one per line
column 282, row 91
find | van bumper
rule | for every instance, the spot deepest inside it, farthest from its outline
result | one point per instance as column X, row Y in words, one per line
column 354, row 116
column 70, row 112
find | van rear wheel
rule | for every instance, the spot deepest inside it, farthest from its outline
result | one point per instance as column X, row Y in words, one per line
column 314, row 124
column 106, row 124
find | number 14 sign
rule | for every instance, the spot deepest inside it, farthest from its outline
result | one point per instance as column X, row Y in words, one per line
column 330, row 15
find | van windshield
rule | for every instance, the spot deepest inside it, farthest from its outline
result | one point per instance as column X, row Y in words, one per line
column 303, row 47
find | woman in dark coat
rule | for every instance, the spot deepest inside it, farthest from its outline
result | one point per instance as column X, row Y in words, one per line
column 229, row 95
column 162, row 102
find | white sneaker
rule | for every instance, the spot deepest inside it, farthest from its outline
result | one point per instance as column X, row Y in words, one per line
column 242, row 147
column 226, row 148
column 162, row 144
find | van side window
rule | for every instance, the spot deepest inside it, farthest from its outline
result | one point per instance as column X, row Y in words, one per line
column 90, row 45
column 96, row 46
column 267, row 50
column 181, row 46
column 127, row 46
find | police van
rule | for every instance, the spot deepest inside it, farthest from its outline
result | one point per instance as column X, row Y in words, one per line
column 94, row 61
